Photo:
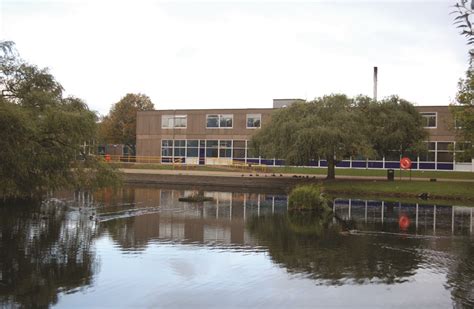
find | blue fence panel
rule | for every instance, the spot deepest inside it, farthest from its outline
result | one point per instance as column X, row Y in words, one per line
column 446, row 166
column 279, row 162
column 427, row 165
column 392, row 164
column 323, row 163
column 359, row 164
column 344, row 164
column 267, row 162
column 253, row 161
column 375, row 164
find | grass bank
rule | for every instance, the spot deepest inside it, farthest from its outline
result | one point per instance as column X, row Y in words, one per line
column 402, row 189
column 307, row 171
column 375, row 173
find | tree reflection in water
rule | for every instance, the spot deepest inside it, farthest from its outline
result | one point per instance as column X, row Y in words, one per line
column 461, row 274
column 43, row 251
column 319, row 248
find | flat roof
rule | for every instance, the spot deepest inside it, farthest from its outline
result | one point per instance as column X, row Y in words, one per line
column 255, row 108
column 209, row 109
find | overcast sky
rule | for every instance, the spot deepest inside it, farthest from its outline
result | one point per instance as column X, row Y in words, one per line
column 223, row 54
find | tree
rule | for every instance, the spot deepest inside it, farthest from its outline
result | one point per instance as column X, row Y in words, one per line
column 42, row 133
column 395, row 127
column 120, row 125
column 464, row 9
column 335, row 127
column 463, row 111
column 328, row 128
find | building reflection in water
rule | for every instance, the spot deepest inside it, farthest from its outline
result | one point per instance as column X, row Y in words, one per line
column 411, row 218
column 221, row 221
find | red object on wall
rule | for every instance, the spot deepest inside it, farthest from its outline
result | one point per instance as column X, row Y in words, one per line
column 405, row 163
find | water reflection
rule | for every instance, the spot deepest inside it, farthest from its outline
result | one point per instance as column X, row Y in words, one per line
column 218, row 222
column 43, row 250
column 49, row 252
column 320, row 249
column 424, row 219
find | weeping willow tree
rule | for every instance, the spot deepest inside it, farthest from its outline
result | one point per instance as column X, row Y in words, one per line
column 328, row 128
column 42, row 133
column 335, row 127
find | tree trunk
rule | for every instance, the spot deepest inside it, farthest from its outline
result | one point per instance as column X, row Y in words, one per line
column 331, row 169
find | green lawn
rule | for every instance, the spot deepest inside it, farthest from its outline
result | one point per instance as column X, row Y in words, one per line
column 437, row 190
column 373, row 172
column 309, row 171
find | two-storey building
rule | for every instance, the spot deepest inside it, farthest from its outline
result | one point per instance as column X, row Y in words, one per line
column 222, row 136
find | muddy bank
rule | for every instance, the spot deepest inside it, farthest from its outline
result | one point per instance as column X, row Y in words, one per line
column 273, row 184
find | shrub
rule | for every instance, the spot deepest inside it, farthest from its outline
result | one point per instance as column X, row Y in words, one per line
column 308, row 197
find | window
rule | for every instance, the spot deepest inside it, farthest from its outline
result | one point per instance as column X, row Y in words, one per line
column 445, row 151
column 429, row 120
column 461, row 155
column 225, row 149
column 430, row 153
column 212, row 121
column 239, row 149
column 458, row 123
column 174, row 121
column 192, row 148
column 219, row 121
column 212, row 149
column 254, row 121
column 179, row 148
column 167, row 148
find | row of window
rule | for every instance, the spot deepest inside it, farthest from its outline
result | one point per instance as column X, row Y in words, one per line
column 208, row 148
column 430, row 120
column 253, row 121
column 226, row 121
column 437, row 151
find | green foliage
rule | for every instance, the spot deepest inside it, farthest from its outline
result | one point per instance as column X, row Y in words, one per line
column 394, row 125
column 94, row 173
column 463, row 112
column 308, row 197
column 41, row 133
column 327, row 128
column 464, row 20
column 335, row 127
column 119, row 126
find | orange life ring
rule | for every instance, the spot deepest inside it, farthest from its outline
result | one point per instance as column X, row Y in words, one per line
column 405, row 163
column 404, row 222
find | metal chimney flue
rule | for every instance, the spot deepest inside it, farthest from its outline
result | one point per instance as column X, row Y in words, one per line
column 375, row 83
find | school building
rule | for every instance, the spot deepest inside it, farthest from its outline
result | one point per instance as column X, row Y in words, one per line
column 222, row 137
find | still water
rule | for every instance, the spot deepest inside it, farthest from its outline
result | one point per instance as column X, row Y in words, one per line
column 141, row 247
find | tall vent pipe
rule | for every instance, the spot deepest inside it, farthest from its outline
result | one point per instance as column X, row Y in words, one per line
column 375, row 83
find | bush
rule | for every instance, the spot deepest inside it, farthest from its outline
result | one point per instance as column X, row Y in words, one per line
column 308, row 197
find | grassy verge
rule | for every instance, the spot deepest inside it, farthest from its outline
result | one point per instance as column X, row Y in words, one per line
column 408, row 189
column 307, row 171
column 373, row 172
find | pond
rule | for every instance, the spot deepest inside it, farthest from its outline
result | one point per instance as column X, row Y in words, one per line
column 141, row 247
